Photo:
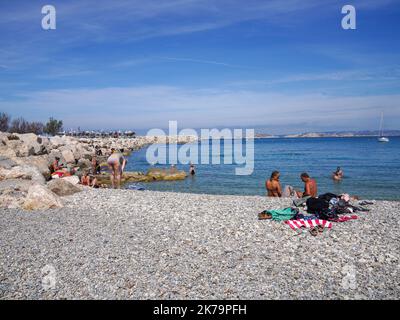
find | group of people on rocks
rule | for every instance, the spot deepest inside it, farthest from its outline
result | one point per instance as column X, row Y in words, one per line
column 116, row 163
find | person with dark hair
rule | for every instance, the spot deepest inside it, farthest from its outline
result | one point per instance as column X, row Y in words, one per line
column 310, row 186
column 338, row 174
column 192, row 169
column 55, row 165
column 273, row 185
column 98, row 151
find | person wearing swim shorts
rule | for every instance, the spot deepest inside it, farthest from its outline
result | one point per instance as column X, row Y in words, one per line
column 310, row 186
column 116, row 163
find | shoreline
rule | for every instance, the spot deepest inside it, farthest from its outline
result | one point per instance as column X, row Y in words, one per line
column 126, row 244
column 236, row 195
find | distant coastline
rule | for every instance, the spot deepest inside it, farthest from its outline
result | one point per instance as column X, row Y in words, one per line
column 338, row 134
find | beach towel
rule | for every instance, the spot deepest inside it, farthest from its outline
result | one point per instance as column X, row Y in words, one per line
column 344, row 218
column 301, row 223
column 282, row 214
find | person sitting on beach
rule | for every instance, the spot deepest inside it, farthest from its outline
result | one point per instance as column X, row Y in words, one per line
column 192, row 170
column 338, row 174
column 87, row 180
column 273, row 185
column 93, row 181
column 310, row 186
column 116, row 163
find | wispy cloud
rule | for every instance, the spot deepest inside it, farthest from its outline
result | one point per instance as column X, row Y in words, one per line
column 144, row 107
column 387, row 73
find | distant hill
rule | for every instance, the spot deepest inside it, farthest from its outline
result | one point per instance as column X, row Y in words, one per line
column 332, row 134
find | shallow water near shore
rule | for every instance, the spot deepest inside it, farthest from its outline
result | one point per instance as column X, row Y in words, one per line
column 372, row 169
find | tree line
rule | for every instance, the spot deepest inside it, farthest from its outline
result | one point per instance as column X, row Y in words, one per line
column 20, row 125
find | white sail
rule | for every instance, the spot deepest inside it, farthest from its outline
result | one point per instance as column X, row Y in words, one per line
column 381, row 137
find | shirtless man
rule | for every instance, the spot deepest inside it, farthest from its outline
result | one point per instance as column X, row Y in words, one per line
column 310, row 186
column 116, row 163
column 273, row 185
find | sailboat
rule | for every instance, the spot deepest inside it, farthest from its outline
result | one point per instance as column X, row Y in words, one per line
column 381, row 137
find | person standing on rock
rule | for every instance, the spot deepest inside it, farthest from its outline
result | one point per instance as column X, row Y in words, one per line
column 116, row 163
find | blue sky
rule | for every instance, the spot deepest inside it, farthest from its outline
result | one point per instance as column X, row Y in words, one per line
column 286, row 66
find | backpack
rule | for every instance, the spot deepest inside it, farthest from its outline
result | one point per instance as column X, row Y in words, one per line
column 328, row 196
column 317, row 205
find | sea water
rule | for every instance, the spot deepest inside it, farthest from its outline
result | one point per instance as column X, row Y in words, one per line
column 371, row 169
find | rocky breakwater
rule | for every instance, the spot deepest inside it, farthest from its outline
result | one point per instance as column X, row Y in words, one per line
column 24, row 170
column 25, row 161
column 104, row 145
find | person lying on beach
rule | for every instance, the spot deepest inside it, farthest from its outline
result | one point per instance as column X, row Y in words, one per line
column 273, row 185
column 338, row 174
column 116, row 163
column 310, row 186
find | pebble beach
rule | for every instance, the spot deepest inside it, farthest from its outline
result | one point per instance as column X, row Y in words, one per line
column 126, row 244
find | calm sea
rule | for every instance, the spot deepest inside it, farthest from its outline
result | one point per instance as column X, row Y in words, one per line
column 372, row 169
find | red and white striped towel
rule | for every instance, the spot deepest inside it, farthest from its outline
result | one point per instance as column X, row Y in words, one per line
column 345, row 218
column 296, row 224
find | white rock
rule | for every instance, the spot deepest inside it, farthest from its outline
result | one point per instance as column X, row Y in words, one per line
column 23, row 172
column 68, row 156
column 71, row 179
column 41, row 198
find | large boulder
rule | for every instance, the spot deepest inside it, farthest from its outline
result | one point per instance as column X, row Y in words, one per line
column 7, row 163
column 54, row 153
column 57, row 142
column 62, row 187
column 41, row 198
column 22, row 172
column 16, row 185
column 6, row 151
column 11, row 198
column 84, row 163
column 68, row 156
column 71, row 179
column 32, row 143
column 41, row 162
